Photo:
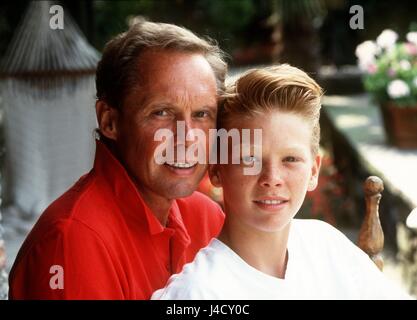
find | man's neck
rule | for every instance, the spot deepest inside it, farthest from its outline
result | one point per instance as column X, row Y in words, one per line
column 159, row 206
column 264, row 251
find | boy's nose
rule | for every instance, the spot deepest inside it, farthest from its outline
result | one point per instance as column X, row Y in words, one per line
column 270, row 177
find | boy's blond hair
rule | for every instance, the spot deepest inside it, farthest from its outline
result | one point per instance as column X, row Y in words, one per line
column 283, row 88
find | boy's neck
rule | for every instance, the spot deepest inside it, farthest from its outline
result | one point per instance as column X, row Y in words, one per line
column 265, row 251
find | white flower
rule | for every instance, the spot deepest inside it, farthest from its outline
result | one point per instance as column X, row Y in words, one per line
column 397, row 89
column 405, row 65
column 366, row 52
column 387, row 39
column 412, row 37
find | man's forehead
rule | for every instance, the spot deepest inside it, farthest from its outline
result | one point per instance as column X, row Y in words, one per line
column 167, row 60
column 159, row 95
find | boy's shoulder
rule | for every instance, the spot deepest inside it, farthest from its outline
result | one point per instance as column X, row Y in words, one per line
column 314, row 233
column 197, row 278
column 316, row 228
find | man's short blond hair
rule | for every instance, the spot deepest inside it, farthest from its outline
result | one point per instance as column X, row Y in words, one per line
column 282, row 87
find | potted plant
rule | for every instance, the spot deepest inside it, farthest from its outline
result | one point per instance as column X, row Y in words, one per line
column 390, row 75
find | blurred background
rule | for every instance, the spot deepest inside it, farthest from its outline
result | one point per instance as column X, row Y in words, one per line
column 47, row 102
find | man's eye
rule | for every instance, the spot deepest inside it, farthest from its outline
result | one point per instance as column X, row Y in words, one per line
column 201, row 114
column 160, row 113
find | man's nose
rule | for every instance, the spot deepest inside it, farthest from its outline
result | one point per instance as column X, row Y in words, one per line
column 185, row 131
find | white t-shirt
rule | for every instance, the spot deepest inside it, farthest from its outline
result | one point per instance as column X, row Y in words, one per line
column 322, row 264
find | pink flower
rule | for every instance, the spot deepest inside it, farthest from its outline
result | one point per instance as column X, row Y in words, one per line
column 410, row 48
column 366, row 52
column 372, row 68
column 391, row 72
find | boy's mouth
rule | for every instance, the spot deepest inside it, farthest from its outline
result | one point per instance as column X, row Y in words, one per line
column 271, row 203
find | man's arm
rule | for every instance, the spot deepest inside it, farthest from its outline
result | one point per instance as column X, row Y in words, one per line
column 69, row 262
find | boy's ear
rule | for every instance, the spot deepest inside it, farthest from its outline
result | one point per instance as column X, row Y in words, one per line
column 315, row 169
column 213, row 170
column 107, row 118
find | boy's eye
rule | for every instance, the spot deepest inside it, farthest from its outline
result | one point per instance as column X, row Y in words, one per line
column 250, row 159
column 291, row 159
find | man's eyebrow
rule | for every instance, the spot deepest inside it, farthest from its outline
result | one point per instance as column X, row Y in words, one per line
column 210, row 107
column 149, row 105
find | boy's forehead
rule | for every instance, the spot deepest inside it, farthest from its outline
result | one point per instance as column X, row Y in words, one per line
column 278, row 129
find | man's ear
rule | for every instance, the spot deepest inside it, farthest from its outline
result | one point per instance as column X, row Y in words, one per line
column 213, row 170
column 107, row 118
column 315, row 169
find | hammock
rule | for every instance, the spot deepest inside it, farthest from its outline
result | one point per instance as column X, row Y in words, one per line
column 47, row 89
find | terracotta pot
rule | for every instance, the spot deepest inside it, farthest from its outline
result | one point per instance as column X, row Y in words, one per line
column 400, row 125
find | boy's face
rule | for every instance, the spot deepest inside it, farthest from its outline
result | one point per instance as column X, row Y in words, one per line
column 268, row 201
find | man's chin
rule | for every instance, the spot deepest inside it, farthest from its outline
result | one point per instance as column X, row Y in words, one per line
column 175, row 190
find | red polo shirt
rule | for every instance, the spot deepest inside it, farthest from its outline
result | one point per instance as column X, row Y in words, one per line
column 107, row 241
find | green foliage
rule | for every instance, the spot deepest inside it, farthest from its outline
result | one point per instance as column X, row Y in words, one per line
column 228, row 14
column 224, row 20
column 112, row 16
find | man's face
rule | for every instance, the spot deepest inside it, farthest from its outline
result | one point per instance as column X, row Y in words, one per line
column 173, row 87
column 268, row 201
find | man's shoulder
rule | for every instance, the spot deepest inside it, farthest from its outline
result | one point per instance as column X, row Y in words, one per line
column 201, row 215
column 73, row 210
column 81, row 201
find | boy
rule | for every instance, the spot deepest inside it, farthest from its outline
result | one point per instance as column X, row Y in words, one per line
column 262, row 252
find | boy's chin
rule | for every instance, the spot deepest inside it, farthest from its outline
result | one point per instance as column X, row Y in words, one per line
column 273, row 227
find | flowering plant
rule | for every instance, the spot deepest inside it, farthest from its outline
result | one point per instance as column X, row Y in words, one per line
column 390, row 68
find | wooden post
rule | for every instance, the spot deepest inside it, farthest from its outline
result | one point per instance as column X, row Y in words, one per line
column 371, row 236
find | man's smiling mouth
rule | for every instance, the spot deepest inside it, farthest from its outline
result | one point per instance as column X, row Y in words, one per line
column 181, row 165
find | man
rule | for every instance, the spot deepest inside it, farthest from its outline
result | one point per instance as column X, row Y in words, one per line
column 126, row 226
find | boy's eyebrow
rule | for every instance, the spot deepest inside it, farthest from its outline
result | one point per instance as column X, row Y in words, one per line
column 252, row 147
column 294, row 149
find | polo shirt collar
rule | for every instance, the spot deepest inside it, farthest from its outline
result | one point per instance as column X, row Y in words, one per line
column 108, row 168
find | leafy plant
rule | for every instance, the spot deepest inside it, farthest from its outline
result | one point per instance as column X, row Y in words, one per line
column 390, row 68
